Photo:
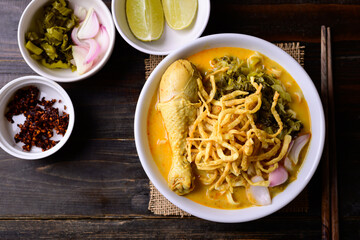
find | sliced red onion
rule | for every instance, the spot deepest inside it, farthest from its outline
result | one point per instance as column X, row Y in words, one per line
column 257, row 194
column 72, row 61
column 80, row 12
column 83, row 38
column 288, row 164
column 75, row 39
column 290, row 146
column 79, row 54
column 103, row 39
column 278, row 176
column 299, row 143
column 94, row 50
column 90, row 27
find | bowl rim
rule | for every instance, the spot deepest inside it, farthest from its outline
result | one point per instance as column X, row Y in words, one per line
column 35, row 68
column 139, row 48
column 13, row 86
column 219, row 215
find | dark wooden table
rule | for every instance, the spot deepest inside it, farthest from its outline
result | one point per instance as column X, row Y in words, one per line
column 95, row 187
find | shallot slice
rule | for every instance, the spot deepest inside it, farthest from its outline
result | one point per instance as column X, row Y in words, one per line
column 79, row 54
column 87, row 50
column 103, row 39
column 289, row 148
column 90, row 26
column 76, row 40
column 80, row 12
column 258, row 195
column 288, row 164
column 278, row 176
column 94, row 50
column 299, row 143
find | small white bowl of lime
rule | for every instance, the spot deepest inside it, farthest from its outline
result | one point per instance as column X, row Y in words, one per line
column 170, row 39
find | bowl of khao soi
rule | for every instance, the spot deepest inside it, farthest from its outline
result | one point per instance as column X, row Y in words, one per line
column 229, row 128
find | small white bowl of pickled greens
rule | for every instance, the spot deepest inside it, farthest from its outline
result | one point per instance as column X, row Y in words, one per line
column 62, row 47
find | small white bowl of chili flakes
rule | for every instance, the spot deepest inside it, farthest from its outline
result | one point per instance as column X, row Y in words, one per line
column 37, row 117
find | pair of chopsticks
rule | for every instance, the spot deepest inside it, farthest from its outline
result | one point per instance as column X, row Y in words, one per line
column 329, row 206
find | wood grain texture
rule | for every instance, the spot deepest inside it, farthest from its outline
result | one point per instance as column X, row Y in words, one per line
column 299, row 22
column 95, row 187
column 156, row 228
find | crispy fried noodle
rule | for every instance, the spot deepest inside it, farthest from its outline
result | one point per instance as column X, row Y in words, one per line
column 226, row 145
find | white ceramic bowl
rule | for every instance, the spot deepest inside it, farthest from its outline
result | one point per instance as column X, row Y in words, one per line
column 317, row 127
column 28, row 23
column 171, row 39
column 48, row 89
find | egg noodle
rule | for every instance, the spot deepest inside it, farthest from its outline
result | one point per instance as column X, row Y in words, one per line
column 225, row 144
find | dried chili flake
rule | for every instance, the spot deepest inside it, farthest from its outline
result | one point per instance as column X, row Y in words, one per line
column 41, row 119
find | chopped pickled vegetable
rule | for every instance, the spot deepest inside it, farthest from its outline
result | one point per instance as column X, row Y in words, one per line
column 235, row 74
column 55, row 35
column 33, row 48
column 36, row 57
column 51, row 44
column 61, row 6
column 58, row 64
column 50, row 50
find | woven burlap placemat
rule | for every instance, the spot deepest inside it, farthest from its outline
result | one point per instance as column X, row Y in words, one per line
column 159, row 205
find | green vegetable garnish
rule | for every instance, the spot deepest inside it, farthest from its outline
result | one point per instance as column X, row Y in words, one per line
column 50, row 50
column 237, row 77
column 58, row 64
column 33, row 48
column 51, row 44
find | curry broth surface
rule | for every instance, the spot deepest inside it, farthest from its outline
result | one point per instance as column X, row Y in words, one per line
column 160, row 146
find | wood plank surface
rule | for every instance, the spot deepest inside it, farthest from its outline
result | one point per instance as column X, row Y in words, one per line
column 95, row 187
column 158, row 228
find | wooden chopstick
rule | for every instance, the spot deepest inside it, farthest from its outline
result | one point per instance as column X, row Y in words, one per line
column 332, row 144
column 325, row 197
column 329, row 165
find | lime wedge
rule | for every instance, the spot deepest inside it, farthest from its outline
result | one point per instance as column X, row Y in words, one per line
column 179, row 13
column 145, row 18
